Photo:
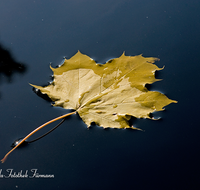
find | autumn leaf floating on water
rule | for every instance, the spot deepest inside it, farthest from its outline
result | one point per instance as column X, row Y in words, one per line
column 107, row 94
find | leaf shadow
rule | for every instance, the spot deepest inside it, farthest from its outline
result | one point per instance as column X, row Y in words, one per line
column 41, row 95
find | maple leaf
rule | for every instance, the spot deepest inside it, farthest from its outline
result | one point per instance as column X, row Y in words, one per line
column 107, row 94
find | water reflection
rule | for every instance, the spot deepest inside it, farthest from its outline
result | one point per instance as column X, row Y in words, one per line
column 8, row 66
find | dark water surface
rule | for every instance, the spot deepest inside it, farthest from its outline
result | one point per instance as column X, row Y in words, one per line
column 35, row 33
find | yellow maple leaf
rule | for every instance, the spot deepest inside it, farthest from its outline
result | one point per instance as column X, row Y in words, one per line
column 107, row 94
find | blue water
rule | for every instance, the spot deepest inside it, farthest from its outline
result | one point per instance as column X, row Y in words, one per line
column 36, row 33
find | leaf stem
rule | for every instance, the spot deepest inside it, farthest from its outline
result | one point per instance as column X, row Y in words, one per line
column 38, row 138
column 34, row 131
